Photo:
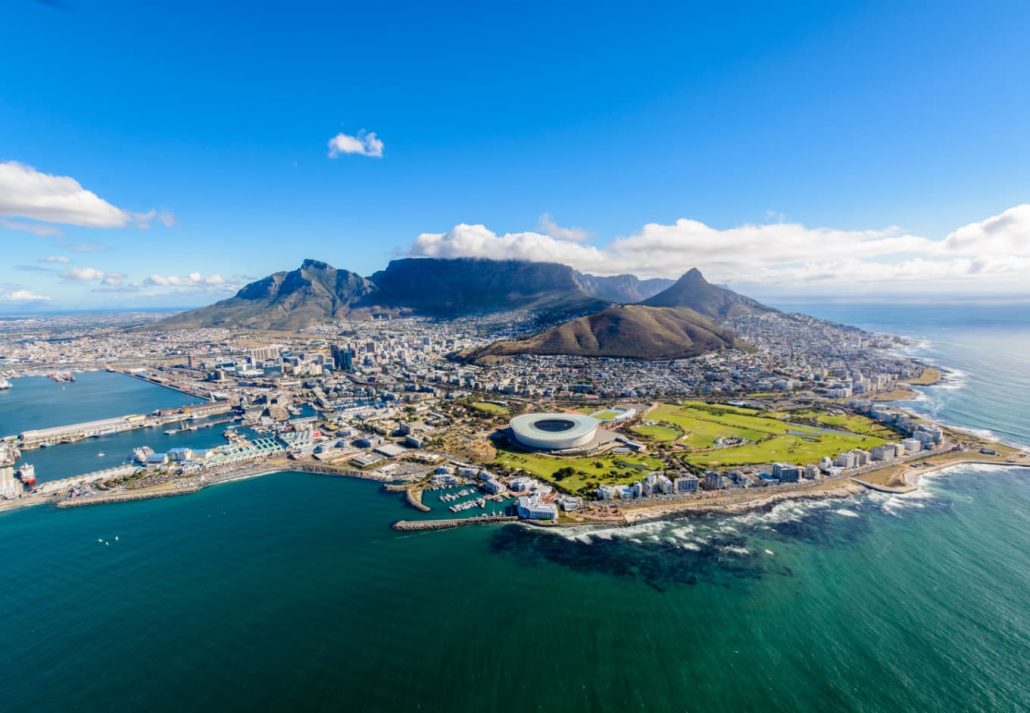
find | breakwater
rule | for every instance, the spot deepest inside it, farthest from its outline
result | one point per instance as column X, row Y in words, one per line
column 129, row 496
column 420, row 525
column 306, row 467
column 414, row 498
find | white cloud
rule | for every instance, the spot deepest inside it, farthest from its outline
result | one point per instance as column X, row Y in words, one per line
column 56, row 259
column 92, row 274
column 42, row 231
column 479, row 241
column 990, row 254
column 29, row 193
column 22, row 296
column 366, row 143
column 547, row 226
column 194, row 279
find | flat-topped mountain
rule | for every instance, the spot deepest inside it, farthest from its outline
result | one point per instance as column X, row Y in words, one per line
column 717, row 303
column 631, row 331
column 469, row 286
column 450, row 288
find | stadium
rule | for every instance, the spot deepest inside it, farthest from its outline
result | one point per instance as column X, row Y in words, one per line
column 554, row 431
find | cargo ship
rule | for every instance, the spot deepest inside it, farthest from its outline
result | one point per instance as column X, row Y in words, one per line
column 27, row 475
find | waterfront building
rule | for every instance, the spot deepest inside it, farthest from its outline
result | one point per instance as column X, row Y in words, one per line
column 786, row 473
column 686, row 484
column 10, row 486
column 912, row 445
column 845, row 460
column 882, row 453
column 569, row 503
column 532, row 507
column 714, row 480
column 493, row 486
column 738, row 479
column 521, row 484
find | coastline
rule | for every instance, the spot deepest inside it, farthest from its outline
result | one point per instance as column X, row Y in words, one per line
column 894, row 478
column 899, row 478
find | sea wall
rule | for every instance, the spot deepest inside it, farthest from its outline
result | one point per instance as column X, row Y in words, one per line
column 419, row 525
column 128, row 496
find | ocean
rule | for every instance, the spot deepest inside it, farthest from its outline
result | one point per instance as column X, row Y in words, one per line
column 290, row 591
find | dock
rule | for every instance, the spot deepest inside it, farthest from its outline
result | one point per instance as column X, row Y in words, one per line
column 71, row 433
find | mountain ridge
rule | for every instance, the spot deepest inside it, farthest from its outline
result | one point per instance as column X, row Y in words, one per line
column 447, row 288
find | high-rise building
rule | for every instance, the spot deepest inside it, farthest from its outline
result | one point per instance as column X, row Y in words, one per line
column 343, row 357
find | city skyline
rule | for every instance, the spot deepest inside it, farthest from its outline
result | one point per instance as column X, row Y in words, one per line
column 864, row 148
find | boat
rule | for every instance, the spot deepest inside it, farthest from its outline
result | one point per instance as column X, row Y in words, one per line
column 100, row 454
column 27, row 475
column 4, row 384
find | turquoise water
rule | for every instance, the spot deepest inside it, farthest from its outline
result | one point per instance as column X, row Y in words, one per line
column 291, row 592
column 38, row 402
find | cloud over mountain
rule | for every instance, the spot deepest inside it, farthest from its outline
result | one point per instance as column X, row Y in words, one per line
column 990, row 254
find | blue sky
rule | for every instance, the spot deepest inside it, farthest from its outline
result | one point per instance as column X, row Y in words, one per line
column 811, row 148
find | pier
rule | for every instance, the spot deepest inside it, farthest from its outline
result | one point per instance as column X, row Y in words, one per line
column 89, row 429
column 421, row 525
column 188, row 388
column 98, row 476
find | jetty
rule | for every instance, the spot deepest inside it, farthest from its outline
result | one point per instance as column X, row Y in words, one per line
column 90, row 429
column 422, row 525
column 51, row 487
column 129, row 496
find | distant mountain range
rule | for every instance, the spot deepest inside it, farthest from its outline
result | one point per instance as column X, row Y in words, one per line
column 672, row 320
column 318, row 292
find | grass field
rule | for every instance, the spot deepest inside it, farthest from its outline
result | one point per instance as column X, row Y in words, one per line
column 771, row 434
column 847, row 422
column 590, row 472
column 929, row 376
column 658, row 432
column 492, row 409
